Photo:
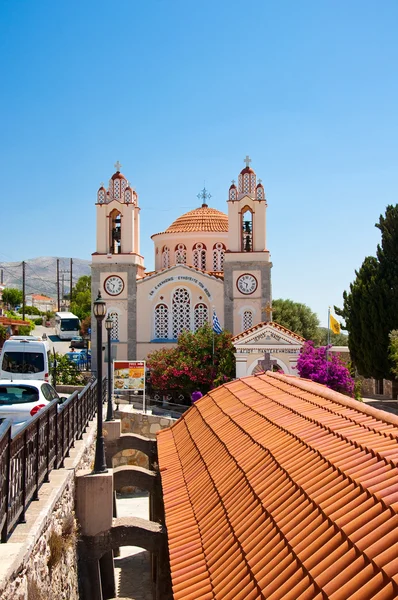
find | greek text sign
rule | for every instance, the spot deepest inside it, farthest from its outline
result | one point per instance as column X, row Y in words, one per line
column 180, row 279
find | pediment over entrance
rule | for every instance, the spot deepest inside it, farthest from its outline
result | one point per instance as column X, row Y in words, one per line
column 266, row 346
column 268, row 334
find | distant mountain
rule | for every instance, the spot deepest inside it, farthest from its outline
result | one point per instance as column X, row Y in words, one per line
column 41, row 274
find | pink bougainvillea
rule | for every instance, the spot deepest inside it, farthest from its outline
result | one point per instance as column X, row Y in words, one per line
column 321, row 366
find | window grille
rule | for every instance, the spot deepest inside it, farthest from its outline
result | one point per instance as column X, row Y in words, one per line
column 247, row 320
column 166, row 258
column 199, row 257
column 201, row 316
column 181, row 311
column 218, row 257
column 181, row 255
column 161, row 321
column 115, row 327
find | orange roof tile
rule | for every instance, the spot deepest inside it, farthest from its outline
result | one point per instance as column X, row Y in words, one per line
column 278, row 488
column 200, row 219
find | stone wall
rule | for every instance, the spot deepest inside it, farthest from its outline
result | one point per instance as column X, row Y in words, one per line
column 133, row 421
column 39, row 560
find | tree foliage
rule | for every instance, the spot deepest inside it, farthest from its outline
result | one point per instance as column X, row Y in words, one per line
column 323, row 367
column 370, row 308
column 191, row 365
column 12, row 296
column 67, row 372
column 393, row 351
column 81, row 297
column 335, row 339
column 297, row 317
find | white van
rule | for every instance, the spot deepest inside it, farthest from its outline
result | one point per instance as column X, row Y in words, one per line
column 25, row 357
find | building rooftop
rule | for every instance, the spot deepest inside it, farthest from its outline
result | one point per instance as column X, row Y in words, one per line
column 200, row 219
column 279, row 488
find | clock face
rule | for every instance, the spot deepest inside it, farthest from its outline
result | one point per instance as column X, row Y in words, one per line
column 114, row 285
column 247, row 284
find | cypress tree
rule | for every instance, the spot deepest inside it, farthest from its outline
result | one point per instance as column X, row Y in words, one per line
column 370, row 308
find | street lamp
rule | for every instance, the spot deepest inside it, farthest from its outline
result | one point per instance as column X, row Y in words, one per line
column 99, row 309
column 108, row 327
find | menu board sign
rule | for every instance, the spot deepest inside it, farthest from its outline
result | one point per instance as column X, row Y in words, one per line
column 129, row 375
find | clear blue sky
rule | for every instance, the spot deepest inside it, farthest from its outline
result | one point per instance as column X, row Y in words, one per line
column 179, row 92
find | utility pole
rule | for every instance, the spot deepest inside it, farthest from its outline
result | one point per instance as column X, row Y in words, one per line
column 63, row 287
column 70, row 286
column 23, row 290
column 58, row 285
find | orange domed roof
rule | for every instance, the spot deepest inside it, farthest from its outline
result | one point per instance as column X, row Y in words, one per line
column 200, row 219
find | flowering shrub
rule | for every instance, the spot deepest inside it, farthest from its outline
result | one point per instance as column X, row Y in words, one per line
column 191, row 365
column 329, row 369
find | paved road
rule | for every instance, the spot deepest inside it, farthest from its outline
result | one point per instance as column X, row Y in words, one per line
column 61, row 346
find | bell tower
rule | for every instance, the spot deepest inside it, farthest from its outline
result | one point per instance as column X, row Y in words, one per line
column 247, row 265
column 117, row 263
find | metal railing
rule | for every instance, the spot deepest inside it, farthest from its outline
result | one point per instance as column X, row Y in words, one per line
column 27, row 459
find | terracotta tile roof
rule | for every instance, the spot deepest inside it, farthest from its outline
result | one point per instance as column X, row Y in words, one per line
column 199, row 219
column 273, row 325
column 278, row 488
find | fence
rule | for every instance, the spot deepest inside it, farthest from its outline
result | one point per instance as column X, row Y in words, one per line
column 27, row 458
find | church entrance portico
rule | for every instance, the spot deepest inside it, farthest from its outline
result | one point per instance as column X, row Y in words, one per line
column 266, row 346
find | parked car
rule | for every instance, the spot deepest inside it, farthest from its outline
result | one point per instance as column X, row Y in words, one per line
column 77, row 342
column 76, row 357
column 21, row 399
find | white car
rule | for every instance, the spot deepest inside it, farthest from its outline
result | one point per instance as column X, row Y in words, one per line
column 21, row 400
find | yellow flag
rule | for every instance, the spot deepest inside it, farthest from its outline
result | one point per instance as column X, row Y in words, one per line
column 334, row 325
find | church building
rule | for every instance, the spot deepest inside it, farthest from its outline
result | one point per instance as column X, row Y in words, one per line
column 205, row 261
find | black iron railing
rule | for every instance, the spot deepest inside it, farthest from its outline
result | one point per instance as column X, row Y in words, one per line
column 42, row 445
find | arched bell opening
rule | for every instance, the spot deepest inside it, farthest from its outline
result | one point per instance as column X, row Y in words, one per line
column 115, row 232
column 247, row 230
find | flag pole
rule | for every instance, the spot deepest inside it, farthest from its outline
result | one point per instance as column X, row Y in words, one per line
column 212, row 330
column 327, row 346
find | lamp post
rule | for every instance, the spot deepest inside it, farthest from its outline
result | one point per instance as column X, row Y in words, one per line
column 108, row 327
column 99, row 309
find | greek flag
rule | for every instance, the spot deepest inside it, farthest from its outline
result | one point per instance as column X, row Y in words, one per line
column 216, row 324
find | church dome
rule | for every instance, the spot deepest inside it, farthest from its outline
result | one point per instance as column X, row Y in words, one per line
column 200, row 219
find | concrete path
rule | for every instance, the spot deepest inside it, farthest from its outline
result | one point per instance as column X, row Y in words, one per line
column 133, row 567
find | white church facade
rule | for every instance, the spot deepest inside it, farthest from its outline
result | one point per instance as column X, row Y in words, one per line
column 205, row 260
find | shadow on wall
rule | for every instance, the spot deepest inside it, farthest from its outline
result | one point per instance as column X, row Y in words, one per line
column 135, row 574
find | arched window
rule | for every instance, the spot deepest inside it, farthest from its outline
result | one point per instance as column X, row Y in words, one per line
column 161, row 321
column 115, row 328
column 181, row 311
column 181, row 254
column 247, row 320
column 115, row 233
column 200, row 316
column 218, row 256
column 165, row 257
column 199, row 256
column 247, row 230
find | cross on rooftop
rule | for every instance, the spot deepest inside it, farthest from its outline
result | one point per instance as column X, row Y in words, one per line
column 260, row 180
column 233, row 182
column 268, row 310
column 204, row 195
column 247, row 160
column 117, row 166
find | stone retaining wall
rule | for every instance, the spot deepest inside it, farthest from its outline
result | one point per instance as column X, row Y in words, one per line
column 144, row 424
column 39, row 560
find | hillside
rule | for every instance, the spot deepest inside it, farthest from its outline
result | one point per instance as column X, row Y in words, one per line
column 41, row 274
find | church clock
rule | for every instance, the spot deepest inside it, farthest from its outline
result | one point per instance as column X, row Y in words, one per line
column 114, row 285
column 246, row 284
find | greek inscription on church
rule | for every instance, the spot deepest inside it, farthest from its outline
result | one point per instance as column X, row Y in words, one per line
column 180, row 278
